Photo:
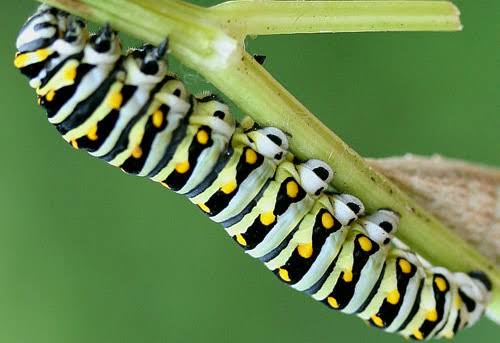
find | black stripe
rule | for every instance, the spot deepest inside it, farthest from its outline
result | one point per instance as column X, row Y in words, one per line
column 318, row 284
column 344, row 291
column 414, row 308
column 135, row 165
column 209, row 180
column 233, row 220
column 85, row 108
column 177, row 138
column 123, row 141
column 373, row 292
column 220, row 200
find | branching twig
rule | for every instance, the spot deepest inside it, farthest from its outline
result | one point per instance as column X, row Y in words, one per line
column 204, row 40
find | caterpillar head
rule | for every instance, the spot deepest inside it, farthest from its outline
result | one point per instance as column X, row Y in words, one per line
column 146, row 65
column 41, row 29
column 270, row 142
column 211, row 111
column 315, row 176
column 104, row 47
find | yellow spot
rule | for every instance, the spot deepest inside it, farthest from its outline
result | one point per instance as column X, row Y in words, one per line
column 70, row 74
column 204, row 208
column 418, row 335
column 405, row 266
column 377, row 321
column 157, row 118
column 92, row 134
column 365, row 243
column 241, row 240
column 229, row 187
column 20, row 60
column 115, row 100
column 327, row 220
column 441, row 284
column 283, row 273
column 393, row 297
column 432, row 315
column 182, row 167
column 332, row 302
column 50, row 95
column 137, row 152
column 305, row 250
column 42, row 54
column 202, row 137
column 74, row 143
column 267, row 218
column 292, row 189
column 250, row 156
column 347, row 276
column 458, row 302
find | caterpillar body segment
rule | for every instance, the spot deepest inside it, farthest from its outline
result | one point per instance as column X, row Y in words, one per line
column 129, row 111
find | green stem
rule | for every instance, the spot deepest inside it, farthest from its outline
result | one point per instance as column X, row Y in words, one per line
column 282, row 17
column 200, row 42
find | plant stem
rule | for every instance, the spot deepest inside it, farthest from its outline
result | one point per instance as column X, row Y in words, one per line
column 201, row 43
column 284, row 17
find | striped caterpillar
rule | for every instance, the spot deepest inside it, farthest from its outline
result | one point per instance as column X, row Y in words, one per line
column 134, row 114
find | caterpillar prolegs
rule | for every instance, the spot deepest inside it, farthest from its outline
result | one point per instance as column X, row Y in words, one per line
column 131, row 112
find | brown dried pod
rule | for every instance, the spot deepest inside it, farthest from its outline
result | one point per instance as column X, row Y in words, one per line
column 465, row 196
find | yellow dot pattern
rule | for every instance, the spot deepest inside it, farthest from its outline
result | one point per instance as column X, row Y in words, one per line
column 157, row 118
column 377, row 321
column 229, row 187
column 332, row 302
column 115, row 100
column 204, row 208
column 70, row 74
column 365, row 243
column 432, row 315
column 327, row 220
column 50, row 95
column 418, row 335
column 182, row 167
column 405, row 266
column 202, row 137
column 441, row 284
column 292, row 189
column 20, row 60
column 250, row 156
column 305, row 250
column 283, row 274
column 267, row 218
column 393, row 297
column 42, row 54
column 137, row 152
column 241, row 240
column 92, row 134
column 347, row 276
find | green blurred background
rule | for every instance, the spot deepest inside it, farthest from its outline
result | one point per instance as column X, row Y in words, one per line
column 89, row 254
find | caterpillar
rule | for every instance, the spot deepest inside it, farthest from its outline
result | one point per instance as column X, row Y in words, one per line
column 131, row 112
